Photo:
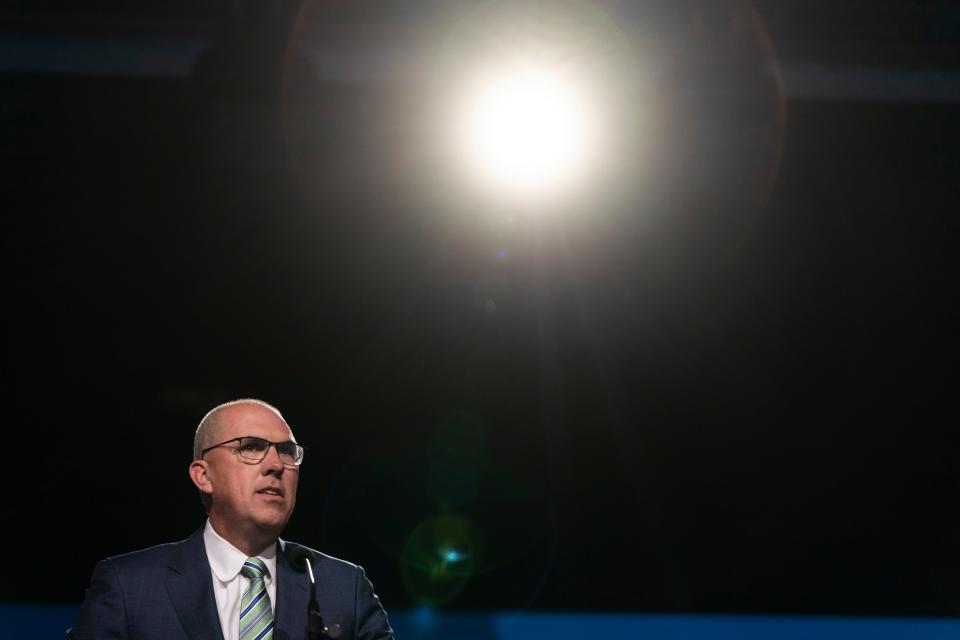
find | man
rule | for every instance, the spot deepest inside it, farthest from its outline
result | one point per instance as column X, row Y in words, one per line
column 232, row 580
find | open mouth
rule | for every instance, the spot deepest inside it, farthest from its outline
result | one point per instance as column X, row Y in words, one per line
column 271, row 491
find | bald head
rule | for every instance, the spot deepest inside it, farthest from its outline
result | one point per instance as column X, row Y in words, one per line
column 210, row 429
column 248, row 498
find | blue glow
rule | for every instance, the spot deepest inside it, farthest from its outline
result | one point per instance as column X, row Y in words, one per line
column 28, row 621
column 422, row 617
column 452, row 555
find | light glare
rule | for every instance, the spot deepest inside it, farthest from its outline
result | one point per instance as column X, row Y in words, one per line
column 527, row 130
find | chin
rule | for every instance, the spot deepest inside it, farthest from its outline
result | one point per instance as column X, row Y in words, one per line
column 273, row 522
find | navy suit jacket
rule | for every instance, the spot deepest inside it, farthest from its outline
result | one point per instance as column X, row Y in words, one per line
column 166, row 593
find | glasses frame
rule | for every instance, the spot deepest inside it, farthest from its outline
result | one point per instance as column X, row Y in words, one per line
column 293, row 465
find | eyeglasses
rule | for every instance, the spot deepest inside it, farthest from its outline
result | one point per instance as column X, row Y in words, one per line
column 255, row 449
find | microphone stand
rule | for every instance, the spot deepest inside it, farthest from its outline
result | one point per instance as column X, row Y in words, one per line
column 316, row 630
column 315, row 627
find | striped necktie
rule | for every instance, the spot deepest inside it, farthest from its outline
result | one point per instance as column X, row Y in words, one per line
column 256, row 617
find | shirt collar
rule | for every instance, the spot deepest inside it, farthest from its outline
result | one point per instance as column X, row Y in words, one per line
column 226, row 560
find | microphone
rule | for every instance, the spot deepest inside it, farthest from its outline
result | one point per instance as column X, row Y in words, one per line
column 301, row 559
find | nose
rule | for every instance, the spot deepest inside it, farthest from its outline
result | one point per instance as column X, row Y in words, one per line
column 272, row 461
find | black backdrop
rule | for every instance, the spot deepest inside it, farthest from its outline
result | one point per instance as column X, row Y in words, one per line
column 766, row 428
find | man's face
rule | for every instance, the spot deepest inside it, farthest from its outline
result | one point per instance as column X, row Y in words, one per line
column 249, row 498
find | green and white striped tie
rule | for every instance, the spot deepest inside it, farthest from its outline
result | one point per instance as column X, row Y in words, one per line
column 256, row 617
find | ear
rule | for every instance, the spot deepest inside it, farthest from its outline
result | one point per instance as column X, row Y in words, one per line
column 200, row 475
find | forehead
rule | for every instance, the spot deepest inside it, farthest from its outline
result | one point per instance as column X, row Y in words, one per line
column 253, row 420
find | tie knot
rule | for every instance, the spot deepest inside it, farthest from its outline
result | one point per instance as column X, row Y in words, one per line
column 254, row 568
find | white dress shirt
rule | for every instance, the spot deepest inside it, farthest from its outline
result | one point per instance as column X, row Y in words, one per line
column 228, row 585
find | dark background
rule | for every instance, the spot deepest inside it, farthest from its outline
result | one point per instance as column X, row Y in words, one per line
column 728, row 390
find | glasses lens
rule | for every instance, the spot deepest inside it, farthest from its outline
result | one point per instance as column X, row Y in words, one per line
column 290, row 452
column 253, row 448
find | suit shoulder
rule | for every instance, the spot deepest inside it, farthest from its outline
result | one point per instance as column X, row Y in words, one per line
column 157, row 556
column 336, row 564
column 324, row 562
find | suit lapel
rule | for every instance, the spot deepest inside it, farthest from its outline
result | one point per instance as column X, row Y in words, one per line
column 290, row 614
column 191, row 590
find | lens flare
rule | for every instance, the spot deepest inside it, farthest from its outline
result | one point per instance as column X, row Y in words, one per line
column 439, row 559
column 527, row 129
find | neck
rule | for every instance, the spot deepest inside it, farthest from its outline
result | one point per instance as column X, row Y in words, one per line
column 250, row 542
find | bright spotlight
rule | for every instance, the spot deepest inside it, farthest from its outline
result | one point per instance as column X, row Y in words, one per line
column 528, row 130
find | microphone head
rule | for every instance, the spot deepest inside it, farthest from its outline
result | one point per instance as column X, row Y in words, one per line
column 298, row 556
